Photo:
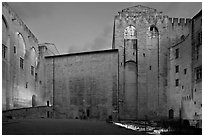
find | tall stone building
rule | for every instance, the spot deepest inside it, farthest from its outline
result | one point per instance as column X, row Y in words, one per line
column 152, row 72
column 21, row 62
column 143, row 37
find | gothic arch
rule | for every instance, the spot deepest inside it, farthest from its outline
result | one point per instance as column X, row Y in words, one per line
column 130, row 32
column 153, row 31
column 21, row 44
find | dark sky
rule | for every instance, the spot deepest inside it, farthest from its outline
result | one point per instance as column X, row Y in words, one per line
column 85, row 26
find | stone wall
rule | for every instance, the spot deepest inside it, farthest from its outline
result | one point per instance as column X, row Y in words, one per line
column 27, row 113
column 84, row 85
column 21, row 63
column 18, row 84
column 151, row 57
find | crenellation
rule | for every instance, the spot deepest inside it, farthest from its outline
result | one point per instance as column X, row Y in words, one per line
column 182, row 21
column 188, row 22
column 175, row 22
column 171, row 20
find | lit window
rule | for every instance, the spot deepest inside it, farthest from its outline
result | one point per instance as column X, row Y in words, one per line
column 177, row 82
column 177, row 53
column 130, row 32
column 21, row 62
column 4, row 51
column 21, row 44
column 32, row 70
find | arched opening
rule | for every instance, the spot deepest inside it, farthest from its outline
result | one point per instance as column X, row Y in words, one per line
column 130, row 89
column 21, row 44
column 171, row 114
column 34, row 56
column 34, row 101
column 153, row 31
column 130, row 32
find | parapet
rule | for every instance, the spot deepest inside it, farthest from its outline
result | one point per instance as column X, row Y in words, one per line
column 180, row 21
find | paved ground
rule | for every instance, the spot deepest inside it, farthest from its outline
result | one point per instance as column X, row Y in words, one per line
column 63, row 127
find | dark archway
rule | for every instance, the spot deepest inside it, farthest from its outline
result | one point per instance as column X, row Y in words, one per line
column 171, row 114
column 33, row 100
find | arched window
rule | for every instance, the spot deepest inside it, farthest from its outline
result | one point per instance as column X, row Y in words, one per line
column 21, row 44
column 171, row 114
column 153, row 31
column 34, row 56
column 130, row 32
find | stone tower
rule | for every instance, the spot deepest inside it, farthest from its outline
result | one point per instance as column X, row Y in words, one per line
column 142, row 36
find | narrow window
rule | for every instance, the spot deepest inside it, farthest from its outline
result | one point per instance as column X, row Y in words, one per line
column 177, row 53
column 26, row 84
column 21, row 62
column 185, row 71
column 4, row 51
column 177, row 82
column 14, row 49
column 32, row 70
column 198, row 72
column 177, row 68
column 150, row 67
column 36, row 76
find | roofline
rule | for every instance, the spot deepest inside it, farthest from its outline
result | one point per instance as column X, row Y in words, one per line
column 198, row 14
column 83, row 53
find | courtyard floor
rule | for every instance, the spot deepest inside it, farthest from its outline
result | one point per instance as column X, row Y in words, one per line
column 63, row 127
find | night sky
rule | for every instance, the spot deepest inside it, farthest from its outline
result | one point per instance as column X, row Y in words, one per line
column 76, row 27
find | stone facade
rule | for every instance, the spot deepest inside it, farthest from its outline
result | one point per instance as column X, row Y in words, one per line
column 84, row 85
column 152, row 72
column 20, row 64
column 154, row 34
column 192, row 104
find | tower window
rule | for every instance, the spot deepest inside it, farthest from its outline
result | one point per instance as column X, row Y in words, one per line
column 36, row 76
column 4, row 51
column 177, row 82
column 177, row 53
column 185, row 71
column 26, row 84
column 21, row 62
column 177, row 68
column 198, row 72
column 150, row 67
column 14, row 49
column 32, row 70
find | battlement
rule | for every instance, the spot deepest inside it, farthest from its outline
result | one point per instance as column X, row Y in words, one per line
column 187, row 98
column 14, row 17
column 180, row 21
